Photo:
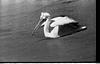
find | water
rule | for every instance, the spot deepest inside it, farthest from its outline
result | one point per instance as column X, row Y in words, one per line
column 9, row 7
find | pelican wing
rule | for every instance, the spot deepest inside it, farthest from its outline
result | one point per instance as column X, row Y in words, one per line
column 61, row 21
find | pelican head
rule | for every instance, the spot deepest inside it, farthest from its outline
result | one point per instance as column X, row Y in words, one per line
column 44, row 16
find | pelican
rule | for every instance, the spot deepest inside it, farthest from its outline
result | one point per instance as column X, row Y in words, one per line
column 56, row 23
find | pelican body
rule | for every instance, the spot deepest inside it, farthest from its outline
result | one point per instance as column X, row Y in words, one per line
column 60, row 26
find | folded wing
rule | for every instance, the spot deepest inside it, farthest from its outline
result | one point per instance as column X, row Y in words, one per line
column 61, row 21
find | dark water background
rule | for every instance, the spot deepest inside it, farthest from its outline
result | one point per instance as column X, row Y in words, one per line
column 19, row 17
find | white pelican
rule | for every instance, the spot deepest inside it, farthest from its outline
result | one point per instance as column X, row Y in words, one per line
column 58, row 24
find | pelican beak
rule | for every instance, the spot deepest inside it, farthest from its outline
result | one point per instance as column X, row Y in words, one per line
column 38, row 25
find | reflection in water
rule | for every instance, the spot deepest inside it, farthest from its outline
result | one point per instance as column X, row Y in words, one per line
column 56, row 47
